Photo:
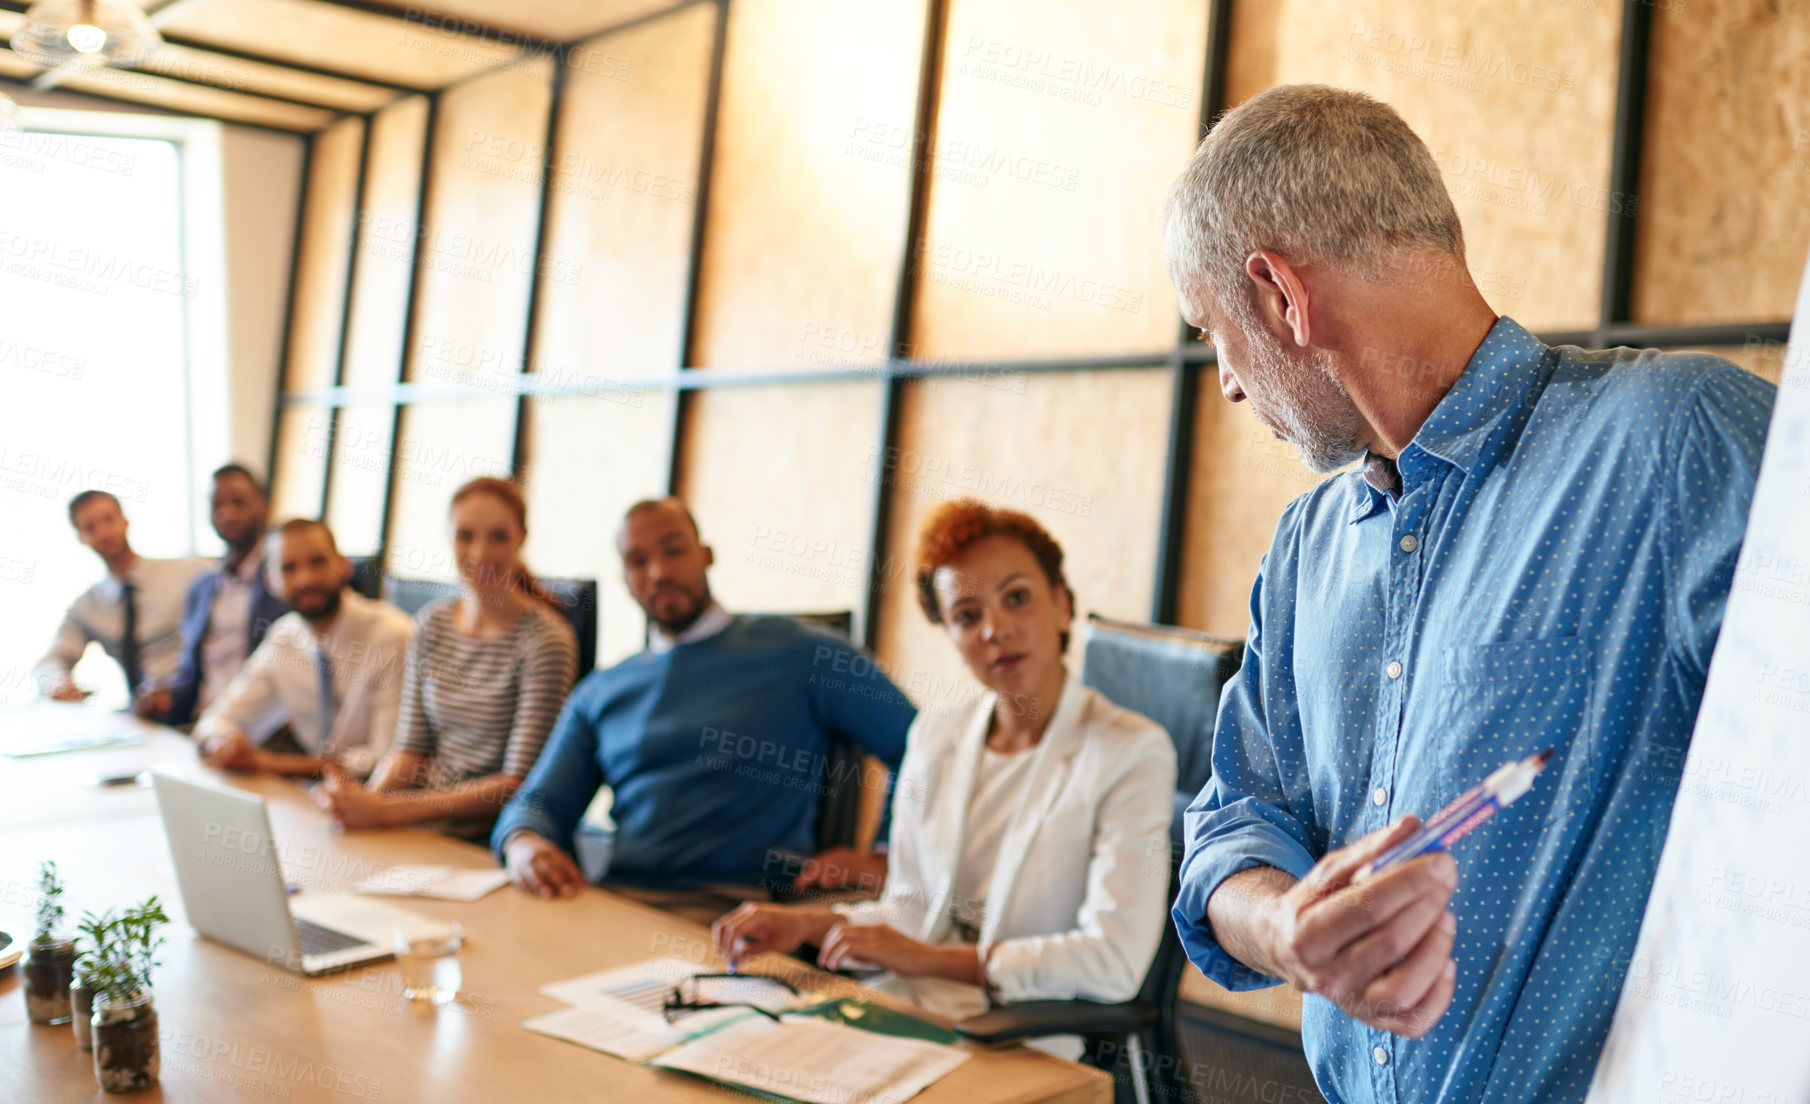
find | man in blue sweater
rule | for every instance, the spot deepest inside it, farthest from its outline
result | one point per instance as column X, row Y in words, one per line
column 714, row 739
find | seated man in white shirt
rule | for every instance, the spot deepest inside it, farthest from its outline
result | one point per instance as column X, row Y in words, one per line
column 135, row 613
column 324, row 687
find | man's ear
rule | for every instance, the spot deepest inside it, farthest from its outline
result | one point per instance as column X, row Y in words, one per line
column 709, row 556
column 1282, row 297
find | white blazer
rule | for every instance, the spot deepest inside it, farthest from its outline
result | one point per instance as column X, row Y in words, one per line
column 1080, row 891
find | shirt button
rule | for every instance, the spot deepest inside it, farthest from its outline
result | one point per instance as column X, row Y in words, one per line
column 1379, row 796
column 1381, row 1056
column 1409, row 544
column 1394, row 669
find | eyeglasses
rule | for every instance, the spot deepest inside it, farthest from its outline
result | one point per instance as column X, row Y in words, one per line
column 767, row 995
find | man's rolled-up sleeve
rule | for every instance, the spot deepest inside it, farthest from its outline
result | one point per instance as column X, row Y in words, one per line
column 1242, row 818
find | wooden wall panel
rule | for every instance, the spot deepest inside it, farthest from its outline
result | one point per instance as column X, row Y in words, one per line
column 476, row 261
column 330, row 207
column 805, row 228
column 623, row 201
column 1242, row 478
column 1517, row 104
column 1081, row 452
column 387, row 234
column 590, row 459
column 444, row 443
column 1059, row 130
column 301, row 463
column 778, row 480
column 1723, row 225
column 363, row 451
column 316, row 314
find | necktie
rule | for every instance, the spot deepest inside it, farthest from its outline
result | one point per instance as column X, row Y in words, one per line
column 128, row 640
column 328, row 704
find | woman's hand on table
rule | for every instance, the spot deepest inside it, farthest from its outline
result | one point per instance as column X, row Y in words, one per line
column 756, row 927
column 885, row 947
column 349, row 803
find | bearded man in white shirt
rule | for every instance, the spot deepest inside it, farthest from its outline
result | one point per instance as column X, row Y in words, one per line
column 325, row 686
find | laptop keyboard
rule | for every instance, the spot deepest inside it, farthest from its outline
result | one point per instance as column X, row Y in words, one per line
column 318, row 940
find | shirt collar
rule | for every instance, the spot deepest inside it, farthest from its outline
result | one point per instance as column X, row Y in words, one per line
column 353, row 608
column 713, row 620
column 114, row 586
column 1468, row 428
column 249, row 567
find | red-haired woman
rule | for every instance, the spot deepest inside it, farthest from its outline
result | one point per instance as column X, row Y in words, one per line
column 1030, row 829
column 487, row 674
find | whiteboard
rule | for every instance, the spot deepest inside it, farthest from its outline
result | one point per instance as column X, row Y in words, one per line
column 1716, row 1005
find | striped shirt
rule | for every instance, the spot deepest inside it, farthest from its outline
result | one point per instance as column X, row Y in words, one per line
column 476, row 706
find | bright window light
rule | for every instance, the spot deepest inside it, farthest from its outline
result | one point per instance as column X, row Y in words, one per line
column 94, row 373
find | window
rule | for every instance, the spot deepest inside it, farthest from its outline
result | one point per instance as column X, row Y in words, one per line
column 112, row 367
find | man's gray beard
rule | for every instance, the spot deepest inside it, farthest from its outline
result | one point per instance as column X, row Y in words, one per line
column 1311, row 409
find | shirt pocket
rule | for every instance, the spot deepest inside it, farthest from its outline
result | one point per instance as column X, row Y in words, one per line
column 1496, row 703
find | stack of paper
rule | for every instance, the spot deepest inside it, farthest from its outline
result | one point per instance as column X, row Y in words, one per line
column 814, row 1060
column 446, row 882
column 800, row 1057
column 621, row 1012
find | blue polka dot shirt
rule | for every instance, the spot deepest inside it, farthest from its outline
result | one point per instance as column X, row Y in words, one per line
column 1551, row 572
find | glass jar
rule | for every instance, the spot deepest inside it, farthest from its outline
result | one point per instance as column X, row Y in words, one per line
column 125, row 1043
column 81, row 1012
column 49, row 967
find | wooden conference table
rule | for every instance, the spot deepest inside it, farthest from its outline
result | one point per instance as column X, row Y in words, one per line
column 235, row 1029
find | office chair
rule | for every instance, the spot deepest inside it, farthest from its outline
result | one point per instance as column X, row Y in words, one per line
column 1173, row 676
column 839, row 799
column 577, row 603
column 367, row 576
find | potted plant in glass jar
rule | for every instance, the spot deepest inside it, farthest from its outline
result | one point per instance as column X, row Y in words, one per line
column 124, row 1020
column 49, row 959
column 96, row 932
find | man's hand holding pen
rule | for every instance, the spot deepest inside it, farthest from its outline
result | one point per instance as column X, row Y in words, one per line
column 1380, row 950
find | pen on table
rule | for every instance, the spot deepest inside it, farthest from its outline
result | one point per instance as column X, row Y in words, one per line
column 1467, row 811
column 735, row 953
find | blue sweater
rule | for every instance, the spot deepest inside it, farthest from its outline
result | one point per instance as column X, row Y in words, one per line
column 715, row 751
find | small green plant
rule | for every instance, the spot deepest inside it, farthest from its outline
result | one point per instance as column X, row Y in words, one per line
column 50, row 903
column 93, row 944
column 118, row 960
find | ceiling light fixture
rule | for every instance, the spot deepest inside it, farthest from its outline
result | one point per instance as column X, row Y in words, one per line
column 85, row 32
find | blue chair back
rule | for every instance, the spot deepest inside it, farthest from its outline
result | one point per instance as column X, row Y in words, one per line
column 1173, row 676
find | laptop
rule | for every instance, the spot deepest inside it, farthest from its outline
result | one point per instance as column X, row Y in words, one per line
column 233, row 891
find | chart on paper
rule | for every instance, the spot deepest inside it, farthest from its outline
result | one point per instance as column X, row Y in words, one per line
column 1714, row 1001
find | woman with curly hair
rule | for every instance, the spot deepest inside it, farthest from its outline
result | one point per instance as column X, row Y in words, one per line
column 1029, row 856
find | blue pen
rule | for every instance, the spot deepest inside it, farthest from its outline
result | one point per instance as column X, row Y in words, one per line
column 1471, row 808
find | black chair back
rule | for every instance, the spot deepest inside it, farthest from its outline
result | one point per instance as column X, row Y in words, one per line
column 367, row 575
column 1173, row 676
column 577, row 603
column 839, row 800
